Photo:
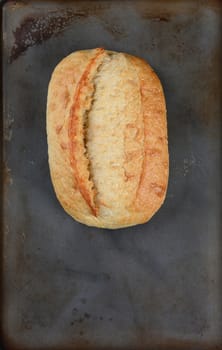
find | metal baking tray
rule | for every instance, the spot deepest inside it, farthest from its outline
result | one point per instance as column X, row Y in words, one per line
column 154, row 286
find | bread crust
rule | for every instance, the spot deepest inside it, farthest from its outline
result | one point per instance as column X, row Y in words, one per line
column 144, row 170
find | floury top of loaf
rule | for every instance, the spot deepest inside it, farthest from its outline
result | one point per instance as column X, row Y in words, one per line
column 107, row 138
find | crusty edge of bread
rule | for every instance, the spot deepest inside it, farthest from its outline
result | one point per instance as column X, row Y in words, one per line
column 152, row 187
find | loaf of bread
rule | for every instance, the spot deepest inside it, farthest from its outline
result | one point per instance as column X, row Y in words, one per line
column 107, row 138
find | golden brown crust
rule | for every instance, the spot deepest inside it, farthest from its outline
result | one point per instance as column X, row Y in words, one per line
column 61, row 90
column 154, row 176
column 78, row 160
column 127, row 121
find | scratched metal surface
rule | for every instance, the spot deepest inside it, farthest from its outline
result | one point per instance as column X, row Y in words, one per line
column 67, row 286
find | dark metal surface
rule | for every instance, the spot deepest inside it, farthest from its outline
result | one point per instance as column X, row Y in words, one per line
column 67, row 286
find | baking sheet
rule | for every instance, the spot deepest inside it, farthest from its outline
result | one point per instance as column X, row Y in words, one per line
column 158, row 285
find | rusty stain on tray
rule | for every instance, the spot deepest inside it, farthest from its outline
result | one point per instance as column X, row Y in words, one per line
column 160, row 18
column 18, row 4
column 35, row 29
column 7, row 178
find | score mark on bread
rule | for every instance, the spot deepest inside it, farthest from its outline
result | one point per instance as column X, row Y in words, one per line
column 107, row 138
